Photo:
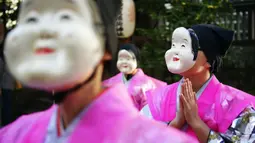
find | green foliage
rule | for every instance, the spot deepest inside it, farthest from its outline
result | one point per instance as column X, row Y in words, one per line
column 183, row 13
column 11, row 12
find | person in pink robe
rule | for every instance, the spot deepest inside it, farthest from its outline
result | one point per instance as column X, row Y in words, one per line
column 134, row 78
column 215, row 112
column 65, row 47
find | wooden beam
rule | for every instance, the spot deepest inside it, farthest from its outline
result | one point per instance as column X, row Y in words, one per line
column 246, row 4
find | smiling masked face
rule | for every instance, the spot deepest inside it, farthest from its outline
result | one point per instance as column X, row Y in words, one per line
column 180, row 57
column 56, row 44
column 126, row 62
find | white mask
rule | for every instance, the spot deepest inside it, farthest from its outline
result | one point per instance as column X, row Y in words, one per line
column 55, row 43
column 126, row 62
column 180, row 57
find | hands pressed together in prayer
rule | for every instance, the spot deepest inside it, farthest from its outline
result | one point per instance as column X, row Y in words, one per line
column 188, row 113
column 188, row 101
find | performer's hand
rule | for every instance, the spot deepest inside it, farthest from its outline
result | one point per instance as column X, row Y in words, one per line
column 179, row 120
column 189, row 101
column 191, row 112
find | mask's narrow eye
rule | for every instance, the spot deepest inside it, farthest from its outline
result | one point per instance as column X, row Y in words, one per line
column 183, row 46
column 32, row 20
column 65, row 17
column 173, row 45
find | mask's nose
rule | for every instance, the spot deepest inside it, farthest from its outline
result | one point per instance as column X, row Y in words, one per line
column 47, row 28
column 47, row 34
column 124, row 62
column 176, row 52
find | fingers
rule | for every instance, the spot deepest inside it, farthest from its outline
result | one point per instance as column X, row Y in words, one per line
column 195, row 97
column 189, row 94
column 185, row 102
column 188, row 90
column 181, row 103
column 190, row 87
column 185, row 89
column 182, row 88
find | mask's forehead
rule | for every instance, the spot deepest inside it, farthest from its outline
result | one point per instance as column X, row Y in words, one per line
column 181, row 33
column 84, row 8
column 125, row 53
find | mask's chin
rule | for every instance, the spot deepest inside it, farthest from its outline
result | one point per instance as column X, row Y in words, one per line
column 176, row 67
column 54, row 83
column 125, row 71
column 60, row 89
column 43, row 76
column 48, row 84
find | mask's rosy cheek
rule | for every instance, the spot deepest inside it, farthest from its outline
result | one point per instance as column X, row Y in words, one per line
column 11, row 48
column 168, row 57
column 118, row 64
column 13, row 38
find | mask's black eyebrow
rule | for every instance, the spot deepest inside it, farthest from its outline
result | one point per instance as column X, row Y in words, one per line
column 185, row 40
column 71, row 1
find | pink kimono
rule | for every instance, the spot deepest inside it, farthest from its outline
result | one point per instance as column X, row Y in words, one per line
column 218, row 104
column 110, row 119
column 137, row 86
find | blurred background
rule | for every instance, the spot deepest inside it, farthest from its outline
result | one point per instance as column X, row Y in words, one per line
column 155, row 22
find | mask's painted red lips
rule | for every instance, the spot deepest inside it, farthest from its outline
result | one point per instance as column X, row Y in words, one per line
column 124, row 66
column 44, row 51
column 176, row 59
